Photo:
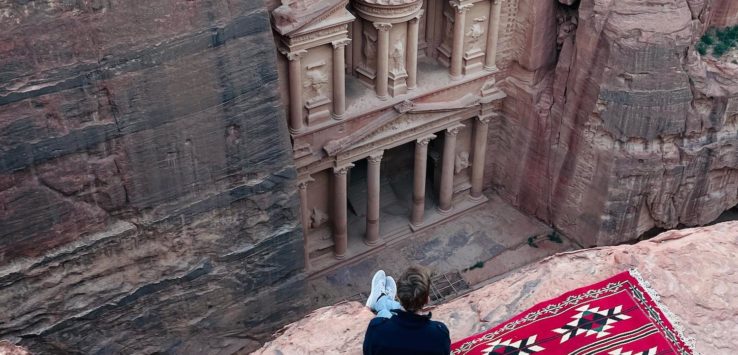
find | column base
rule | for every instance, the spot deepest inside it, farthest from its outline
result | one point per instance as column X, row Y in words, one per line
column 442, row 211
column 478, row 198
column 371, row 243
column 455, row 78
column 338, row 117
column 383, row 98
column 339, row 257
column 297, row 131
column 410, row 88
column 492, row 68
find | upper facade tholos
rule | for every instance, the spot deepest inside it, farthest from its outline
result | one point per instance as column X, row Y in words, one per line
column 389, row 104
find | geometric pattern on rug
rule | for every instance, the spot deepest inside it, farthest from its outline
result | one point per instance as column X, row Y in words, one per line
column 509, row 347
column 591, row 321
column 616, row 316
column 651, row 351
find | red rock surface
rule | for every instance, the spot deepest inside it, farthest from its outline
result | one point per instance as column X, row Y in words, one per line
column 147, row 198
column 7, row 348
column 613, row 124
column 693, row 270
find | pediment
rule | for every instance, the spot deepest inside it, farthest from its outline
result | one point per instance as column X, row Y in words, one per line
column 403, row 117
column 298, row 17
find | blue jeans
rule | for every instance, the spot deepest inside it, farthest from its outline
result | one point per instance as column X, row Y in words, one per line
column 385, row 306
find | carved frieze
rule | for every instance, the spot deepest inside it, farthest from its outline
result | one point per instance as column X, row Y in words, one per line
column 400, row 10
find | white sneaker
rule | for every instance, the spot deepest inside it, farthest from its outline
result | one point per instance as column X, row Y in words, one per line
column 378, row 284
column 390, row 288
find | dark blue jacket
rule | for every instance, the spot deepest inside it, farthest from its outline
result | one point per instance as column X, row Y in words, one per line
column 406, row 334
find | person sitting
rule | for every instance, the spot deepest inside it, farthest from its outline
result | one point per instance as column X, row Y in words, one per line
column 399, row 328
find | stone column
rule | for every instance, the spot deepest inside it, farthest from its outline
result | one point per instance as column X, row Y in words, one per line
column 339, row 77
column 340, row 211
column 493, row 33
column 481, row 125
column 295, row 75
column 305, row 215
column 457, row 51
column 382, row 75
column 447, row 169
column 372, row 200
column 421, row 164
column 412, row 52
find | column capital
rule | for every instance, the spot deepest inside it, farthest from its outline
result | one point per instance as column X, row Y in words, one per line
column 418, row 16
column 302, row 183
column 296, row 55
column 461, row 8
column 343, row 169
column 425, row 140
column 382, row 26
column 375, row 158
column 484, row 119
column 496, row 2
column 341, row 43
column 454, row 130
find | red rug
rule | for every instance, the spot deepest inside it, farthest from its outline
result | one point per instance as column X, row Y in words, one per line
column 617, row 316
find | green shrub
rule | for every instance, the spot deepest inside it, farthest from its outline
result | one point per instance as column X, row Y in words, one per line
column 720, row 49
column 702, row 48
column 721, row 40
column 707, row 40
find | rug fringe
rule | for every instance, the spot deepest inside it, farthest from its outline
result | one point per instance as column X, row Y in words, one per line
column 671, row 317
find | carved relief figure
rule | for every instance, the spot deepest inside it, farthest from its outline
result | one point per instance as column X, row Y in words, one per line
column 370, row 51
column 398, row 64
column 462, row 162
column 475, row 33
column 315, row 81
column 448, row 35
column 318, row 218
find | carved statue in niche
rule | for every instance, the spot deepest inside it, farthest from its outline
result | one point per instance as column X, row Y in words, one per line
column 315, row 81
column 370, row 51
column 448, row 35
column 462, row 162
column 398, row 65
column 475, row 33
column 317, row 218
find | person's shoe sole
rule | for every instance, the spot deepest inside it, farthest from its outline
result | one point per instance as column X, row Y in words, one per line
column 378, row 283
column 390, row 287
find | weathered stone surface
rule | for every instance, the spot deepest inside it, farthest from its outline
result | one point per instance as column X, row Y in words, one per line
column 7, row 348
column 147, row 199
column 693, row 270
column 725, row 13
column 628, row 130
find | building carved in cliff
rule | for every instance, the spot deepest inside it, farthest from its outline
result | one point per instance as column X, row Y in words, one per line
column 389, row 104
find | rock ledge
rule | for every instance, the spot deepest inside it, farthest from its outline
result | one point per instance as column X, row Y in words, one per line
column 693, row 270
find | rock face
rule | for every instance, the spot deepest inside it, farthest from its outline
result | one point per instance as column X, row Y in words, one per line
column 147, row 201
column 622, row 126
column 693, row 270
column 6, row 348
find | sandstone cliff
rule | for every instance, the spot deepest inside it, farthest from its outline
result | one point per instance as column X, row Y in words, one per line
column 622, row 126
column 146, row 181
column 692, row 269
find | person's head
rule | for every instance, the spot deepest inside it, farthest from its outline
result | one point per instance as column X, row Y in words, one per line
column 413, row 288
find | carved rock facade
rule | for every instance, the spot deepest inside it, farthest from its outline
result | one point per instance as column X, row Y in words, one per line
column 363, row 57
